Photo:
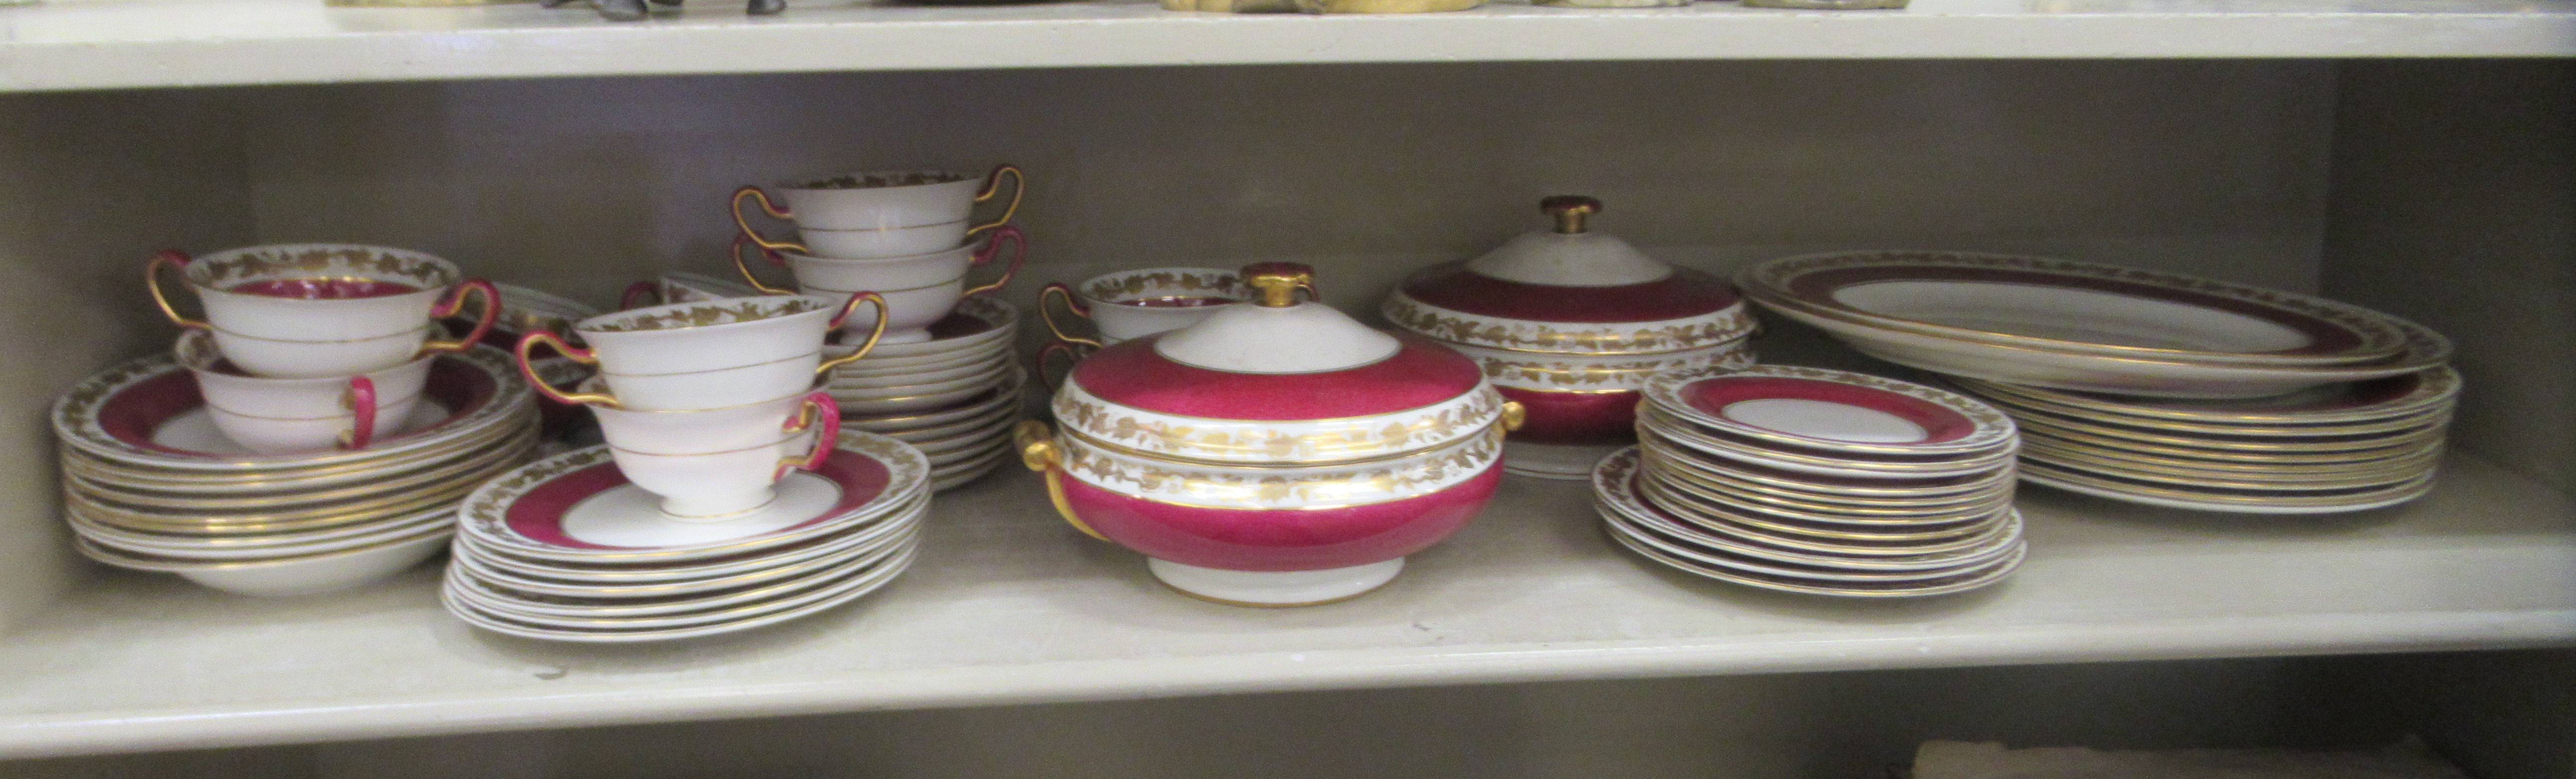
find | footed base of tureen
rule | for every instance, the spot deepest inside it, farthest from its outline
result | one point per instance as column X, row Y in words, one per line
column 1554, row 461
column 1275, row 589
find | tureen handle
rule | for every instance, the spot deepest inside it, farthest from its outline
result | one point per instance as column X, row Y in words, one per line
column 1569, row 211
column 1038, row 452
column 1278, row 283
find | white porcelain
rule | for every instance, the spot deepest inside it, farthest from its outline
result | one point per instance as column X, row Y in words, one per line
column 1242, row 339
column 1554, row 461
column 1275, row 588
column 978, row 377
column 887, row 199
column 868, row 371
column 869, row 405
column 1270, row 441
column 1133, row 303
column 257, row 305
column 706, row 354
column 1570, row 258
column 718, row 463
column 870, row 243
column 1403, row 476
column 919, row 290
column 280, row 416
column 1599, row 373
column 294, row 576
column 980, row 321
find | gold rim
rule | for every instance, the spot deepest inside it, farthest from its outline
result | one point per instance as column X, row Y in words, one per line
column 287, row 521
column 192, row 480
column 2047, row 427
column 1665, row 465
column 2239, row 481
column 2439, row 389
column 2424, row 349
column 393, row 482
column 2390, row 493
column 2114, row 454
column 1964, row 516
column 2022, row 407
column 1985, row 535
column 1962, row 466
column 144, row 562
column 1703, row 470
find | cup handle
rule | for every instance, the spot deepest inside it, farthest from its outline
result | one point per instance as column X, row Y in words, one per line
column 1072, row 304
column 1019, row 256
column 766, row 207
column 529, row 342
column 873, row 333
column 738, row 243
column 152, row 281
column 1069, row 349
column 993, row 186
column 818, row 408
column 1038, row 451
column 635, row 294
column 361, row 402
column 456, row 302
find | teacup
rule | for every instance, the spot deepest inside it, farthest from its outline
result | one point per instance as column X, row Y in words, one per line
column 286, row 416
column 720, row 463
column 1138, row 303
column 883, row 214
column 711, row 354
column 301, row 311
column 919, row 290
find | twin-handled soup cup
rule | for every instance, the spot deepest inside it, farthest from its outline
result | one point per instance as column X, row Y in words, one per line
column 301, row 311
column 716, row 464
column 285, row 416
column 1139, row 303
column 886, row 214
column 918, row 290
column 706, row 354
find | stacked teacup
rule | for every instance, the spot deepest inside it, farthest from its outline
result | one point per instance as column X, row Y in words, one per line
column 707, row 407
column 309, row 434
column 942, row 378
column 1134, row 304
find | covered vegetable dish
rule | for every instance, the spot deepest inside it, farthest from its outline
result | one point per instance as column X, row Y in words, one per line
column 1570, row 323
column 1274, row 454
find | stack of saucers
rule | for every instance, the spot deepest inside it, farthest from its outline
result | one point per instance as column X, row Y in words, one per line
column 1816, row 481
column 955, row 396
column 566, row 549
column 2339, row 447
column 150, row 483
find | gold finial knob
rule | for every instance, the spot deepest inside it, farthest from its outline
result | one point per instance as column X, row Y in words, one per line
column 1279, row 282
column 1569, row 211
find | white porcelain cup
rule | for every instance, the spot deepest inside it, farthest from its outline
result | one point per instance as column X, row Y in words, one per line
column 1138, row 303
column 715, row 464
column 707, row 354
column 287, row 416
column 318, row 310
column 882, row 214
column 919, row 290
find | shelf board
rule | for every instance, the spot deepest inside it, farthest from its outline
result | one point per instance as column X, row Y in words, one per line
column 96, row 44
column 1007, row 605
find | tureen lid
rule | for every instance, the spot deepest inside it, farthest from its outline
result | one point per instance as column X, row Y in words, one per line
column 1570, row 274
column 1269, row 371
column 1570, row 255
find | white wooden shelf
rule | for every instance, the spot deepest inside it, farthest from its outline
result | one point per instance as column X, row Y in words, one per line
column 94, row 44
column 1009, row 606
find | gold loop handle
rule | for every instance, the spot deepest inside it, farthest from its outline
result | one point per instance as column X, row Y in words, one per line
column 1514, row 415
column 993, row 185
column 774, row 212
column 455, row 304
column 1071, row 303
column 873, row 333
column 152, row 281
column 738, row 264
column 1038, row 452
column 528, row 343
column 1019, row 256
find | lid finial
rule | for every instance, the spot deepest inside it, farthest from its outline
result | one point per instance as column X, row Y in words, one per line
column 1279, row 282
column 1569, row 211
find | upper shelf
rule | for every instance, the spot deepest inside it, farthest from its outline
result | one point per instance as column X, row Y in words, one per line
column 98, row 44
column 1009, row 605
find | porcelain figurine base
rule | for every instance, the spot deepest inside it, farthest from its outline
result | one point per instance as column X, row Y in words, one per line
column 1554, row 461
column 1275, row 589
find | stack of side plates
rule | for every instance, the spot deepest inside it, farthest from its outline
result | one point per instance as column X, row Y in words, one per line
column 955, row 396
column 566, row 549
column 1816, row 481
column 150, row 484
column 2340, row 447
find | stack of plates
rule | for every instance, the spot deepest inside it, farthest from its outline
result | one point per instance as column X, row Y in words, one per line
column 2341, row 447
column 150, row 484
column 565, row 549
column 955, row 396
column 1816, row 481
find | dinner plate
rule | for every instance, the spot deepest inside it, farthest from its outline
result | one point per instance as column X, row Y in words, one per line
column 1830, row 411
column 118, row 414
column 2077, row 308
column 2342, row 403
column 1652, row 424
column 741, row 620
column 785, row 592
column 2232, row 501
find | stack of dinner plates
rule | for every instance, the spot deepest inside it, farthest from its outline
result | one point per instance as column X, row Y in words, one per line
column 566, row 549
column 2339, row 447
column 955, row 396
column 149, row 483
column 1816, row 481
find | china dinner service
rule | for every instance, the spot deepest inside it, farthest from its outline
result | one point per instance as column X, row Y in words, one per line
column 1816, row 481
column 1571, row 323
column 568, row 549
column 189, row 462
column 1273, row 454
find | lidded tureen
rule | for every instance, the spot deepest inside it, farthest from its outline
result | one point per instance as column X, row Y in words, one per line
column 1273, row 454
column 1570, row 323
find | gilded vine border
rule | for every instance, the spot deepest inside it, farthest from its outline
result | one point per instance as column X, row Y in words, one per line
column 1234, row 440
column 1379, row 483
column 1443, row 324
